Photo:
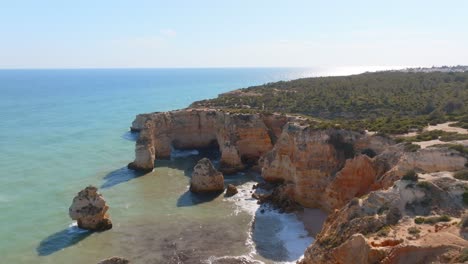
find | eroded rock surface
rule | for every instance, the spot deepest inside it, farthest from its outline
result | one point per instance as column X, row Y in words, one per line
column 205, row 178
column 241, row 138
column 327, row 168
column 89, row 209
column 381, row 227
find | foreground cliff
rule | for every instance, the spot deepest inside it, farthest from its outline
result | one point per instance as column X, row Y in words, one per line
column 419, row 221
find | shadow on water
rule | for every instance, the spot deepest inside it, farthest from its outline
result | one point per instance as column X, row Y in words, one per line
column 62, row 239
column 190, row 199
column 120, row 176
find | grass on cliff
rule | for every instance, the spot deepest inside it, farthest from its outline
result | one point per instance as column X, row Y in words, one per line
column 432, row 220
column 434, row 134
column 388, row 102
column 461, row 175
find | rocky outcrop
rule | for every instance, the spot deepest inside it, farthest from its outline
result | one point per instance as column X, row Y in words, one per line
column 231, row 190
column 205, row 178
column 381, row 227
column 114, row 260
column 336, row 170
column 241, row 138
column 327, row 168
column 89, row 209
column 324, row 168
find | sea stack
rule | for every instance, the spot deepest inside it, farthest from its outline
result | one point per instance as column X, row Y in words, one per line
column 205, row 178
column 89, row 209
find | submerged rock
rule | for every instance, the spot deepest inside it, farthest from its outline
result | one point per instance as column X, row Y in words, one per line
column 206, row 178
column 89, row 209
column 231, row 190
column 114, row 260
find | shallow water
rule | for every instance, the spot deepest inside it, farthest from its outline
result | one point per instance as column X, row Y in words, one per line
column 62, row 130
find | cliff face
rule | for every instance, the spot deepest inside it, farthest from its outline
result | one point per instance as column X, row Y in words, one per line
column 382, row 227
column 242, row 138
column 327, row 168
column 318, row 168
column 324, row 168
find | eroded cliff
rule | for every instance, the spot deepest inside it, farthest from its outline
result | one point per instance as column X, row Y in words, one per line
column 241, row 138
column 412, row 222
column 316, row 168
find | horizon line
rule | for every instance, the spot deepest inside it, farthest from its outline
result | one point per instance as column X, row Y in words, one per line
column 234, row 67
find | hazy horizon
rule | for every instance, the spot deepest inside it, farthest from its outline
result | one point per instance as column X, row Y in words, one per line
column 210, row 34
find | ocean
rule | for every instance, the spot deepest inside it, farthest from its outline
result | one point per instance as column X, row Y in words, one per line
column 62, row 130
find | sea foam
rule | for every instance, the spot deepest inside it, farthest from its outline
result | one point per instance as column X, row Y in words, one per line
column 289, row 233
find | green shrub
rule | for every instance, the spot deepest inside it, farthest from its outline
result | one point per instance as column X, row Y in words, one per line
column 464, row 221
column 463, row 257
column 424, row 184
column 432, row 220
column 419, row 220
column 384, row 231
column 414, row 230
column 461, row 175
column 410, row 147
column 410, row 176
column 465, row 197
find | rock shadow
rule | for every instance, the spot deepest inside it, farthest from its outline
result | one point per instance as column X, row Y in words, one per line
column 120, row 176
column 62, row 239
column 190, row 199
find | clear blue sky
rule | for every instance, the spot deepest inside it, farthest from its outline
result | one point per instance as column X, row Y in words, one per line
column 199, row 33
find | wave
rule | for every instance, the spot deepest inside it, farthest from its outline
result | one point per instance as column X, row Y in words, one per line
column 292, row 238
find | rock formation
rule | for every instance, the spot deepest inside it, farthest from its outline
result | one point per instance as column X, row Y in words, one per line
column 205, row 178
column 351, row 175
column 322, row 168
column 89, row 209
column 382, row 227
column 327, row 168
column 231, row 190
column 241, row 138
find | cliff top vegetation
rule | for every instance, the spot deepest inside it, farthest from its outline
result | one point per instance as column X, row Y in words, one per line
column 389, row 102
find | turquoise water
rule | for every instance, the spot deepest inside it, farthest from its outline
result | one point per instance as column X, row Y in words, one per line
column 61, row 130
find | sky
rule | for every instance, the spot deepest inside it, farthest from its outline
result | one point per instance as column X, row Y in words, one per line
column 254, row 33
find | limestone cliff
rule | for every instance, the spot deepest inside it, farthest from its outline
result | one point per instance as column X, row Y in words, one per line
column 241, row 138
column 317, row 168
column 412, row 222
column 324, row 168
column 327, row 168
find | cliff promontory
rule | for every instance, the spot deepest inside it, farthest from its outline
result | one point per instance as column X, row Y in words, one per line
column 354, row 176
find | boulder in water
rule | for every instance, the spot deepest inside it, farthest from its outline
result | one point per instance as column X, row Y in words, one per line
column 231, row 190
column 205, row 178
column 89, row 209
